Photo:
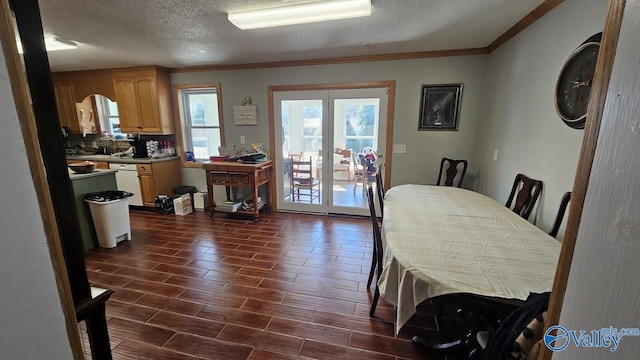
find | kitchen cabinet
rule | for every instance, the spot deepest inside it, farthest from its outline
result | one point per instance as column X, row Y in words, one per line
column 66, row 104
column 158, row 178
column 87, row 115
column 144, row 105
column 142, row 94
column 147, row 185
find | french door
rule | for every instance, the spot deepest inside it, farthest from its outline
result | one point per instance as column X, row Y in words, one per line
column 329, row 129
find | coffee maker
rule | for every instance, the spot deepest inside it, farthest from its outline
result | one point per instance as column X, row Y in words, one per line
column 139, row 148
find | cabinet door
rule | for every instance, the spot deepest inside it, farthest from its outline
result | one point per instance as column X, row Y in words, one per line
column 63, row 90
column 102, row 165
column 127, row 104
column 147, row 188
column 148, row 111
column 87, row 115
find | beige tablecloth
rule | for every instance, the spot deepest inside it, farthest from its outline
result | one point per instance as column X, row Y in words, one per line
column 445, row 240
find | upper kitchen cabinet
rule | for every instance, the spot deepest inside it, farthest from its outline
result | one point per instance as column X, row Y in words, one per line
column 88, row 116
column 66, row 104
column 73, row 94
column 77, row 116
column 143, row 99
column 142, row 95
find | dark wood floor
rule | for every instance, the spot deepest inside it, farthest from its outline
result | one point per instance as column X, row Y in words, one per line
column 290, row 286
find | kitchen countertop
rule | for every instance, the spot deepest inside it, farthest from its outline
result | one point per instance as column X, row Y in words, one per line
column 96, row 172
column 119, row 160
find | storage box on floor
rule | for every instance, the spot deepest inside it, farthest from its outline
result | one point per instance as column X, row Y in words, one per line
column 181, row 190
column 182, row 205
column 201, row 201
column 110, row 213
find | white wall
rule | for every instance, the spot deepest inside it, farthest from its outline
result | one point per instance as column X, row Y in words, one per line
column 520, row 120
column 602, row 289
column 424, row 148
column 32, row 324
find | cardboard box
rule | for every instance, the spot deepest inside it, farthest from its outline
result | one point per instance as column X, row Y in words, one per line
column 182, row 205
column 201, row 201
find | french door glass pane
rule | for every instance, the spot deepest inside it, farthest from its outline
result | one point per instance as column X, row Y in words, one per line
column 360, row 120
column 301, row 135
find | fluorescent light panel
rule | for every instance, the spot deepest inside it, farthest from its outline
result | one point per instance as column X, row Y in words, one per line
column 54, row 43
column 58, row 43
column 301, row 13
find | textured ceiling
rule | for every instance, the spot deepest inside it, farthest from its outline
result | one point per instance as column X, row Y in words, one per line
column 184, row 33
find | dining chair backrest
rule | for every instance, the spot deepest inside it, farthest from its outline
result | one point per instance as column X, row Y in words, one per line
column 302, row 179
column 561, row 210
column 452, row 171
column 377, row 245
column 524, row 194
column 380, row 190
column 301, row 169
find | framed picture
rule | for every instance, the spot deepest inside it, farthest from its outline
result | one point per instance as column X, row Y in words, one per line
column 440, row 107
column 245, row 115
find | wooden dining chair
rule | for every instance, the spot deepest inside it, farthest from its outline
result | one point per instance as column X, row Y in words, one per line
column 524, row 194
column 452, row 171
column 302, row 181
column 342, row 161
column 376, row 263
column 380, row 191
column 563, row 207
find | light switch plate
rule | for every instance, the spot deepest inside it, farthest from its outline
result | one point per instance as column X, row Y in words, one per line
column 242, row 139
column 400, row 149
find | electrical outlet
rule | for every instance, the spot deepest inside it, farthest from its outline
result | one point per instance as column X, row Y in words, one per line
column 400, row 149
column 242, row 139
column 495, row 155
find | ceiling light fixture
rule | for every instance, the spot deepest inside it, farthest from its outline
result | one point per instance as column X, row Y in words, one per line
column 54, row 43
column 58, row 43
column 300, row 13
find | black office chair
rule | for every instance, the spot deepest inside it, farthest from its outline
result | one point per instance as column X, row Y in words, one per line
column 528, row 191
column 376, row 263
column 563, row 207
column 452, row 171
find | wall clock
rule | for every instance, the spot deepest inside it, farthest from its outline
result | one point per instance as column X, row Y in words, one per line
column 574, row 83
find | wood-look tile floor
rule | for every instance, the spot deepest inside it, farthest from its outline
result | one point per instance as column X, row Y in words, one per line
column 288, row 287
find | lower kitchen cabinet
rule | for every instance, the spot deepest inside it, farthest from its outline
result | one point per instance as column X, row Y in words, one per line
column 158, row 178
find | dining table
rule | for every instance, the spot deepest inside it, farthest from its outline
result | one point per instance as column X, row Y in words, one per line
column 441, row 240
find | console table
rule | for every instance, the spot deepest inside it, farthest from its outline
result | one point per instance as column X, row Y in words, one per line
column 230, row 174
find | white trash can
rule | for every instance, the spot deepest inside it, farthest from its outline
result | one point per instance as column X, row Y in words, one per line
column 111, row 220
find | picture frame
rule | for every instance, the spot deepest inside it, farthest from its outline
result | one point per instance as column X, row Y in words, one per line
column 245, row 115
column 440, row 107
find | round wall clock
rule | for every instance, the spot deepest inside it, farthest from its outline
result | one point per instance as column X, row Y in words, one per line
column 574, row 83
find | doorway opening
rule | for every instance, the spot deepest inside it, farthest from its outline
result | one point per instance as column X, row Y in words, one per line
column 328, row 142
